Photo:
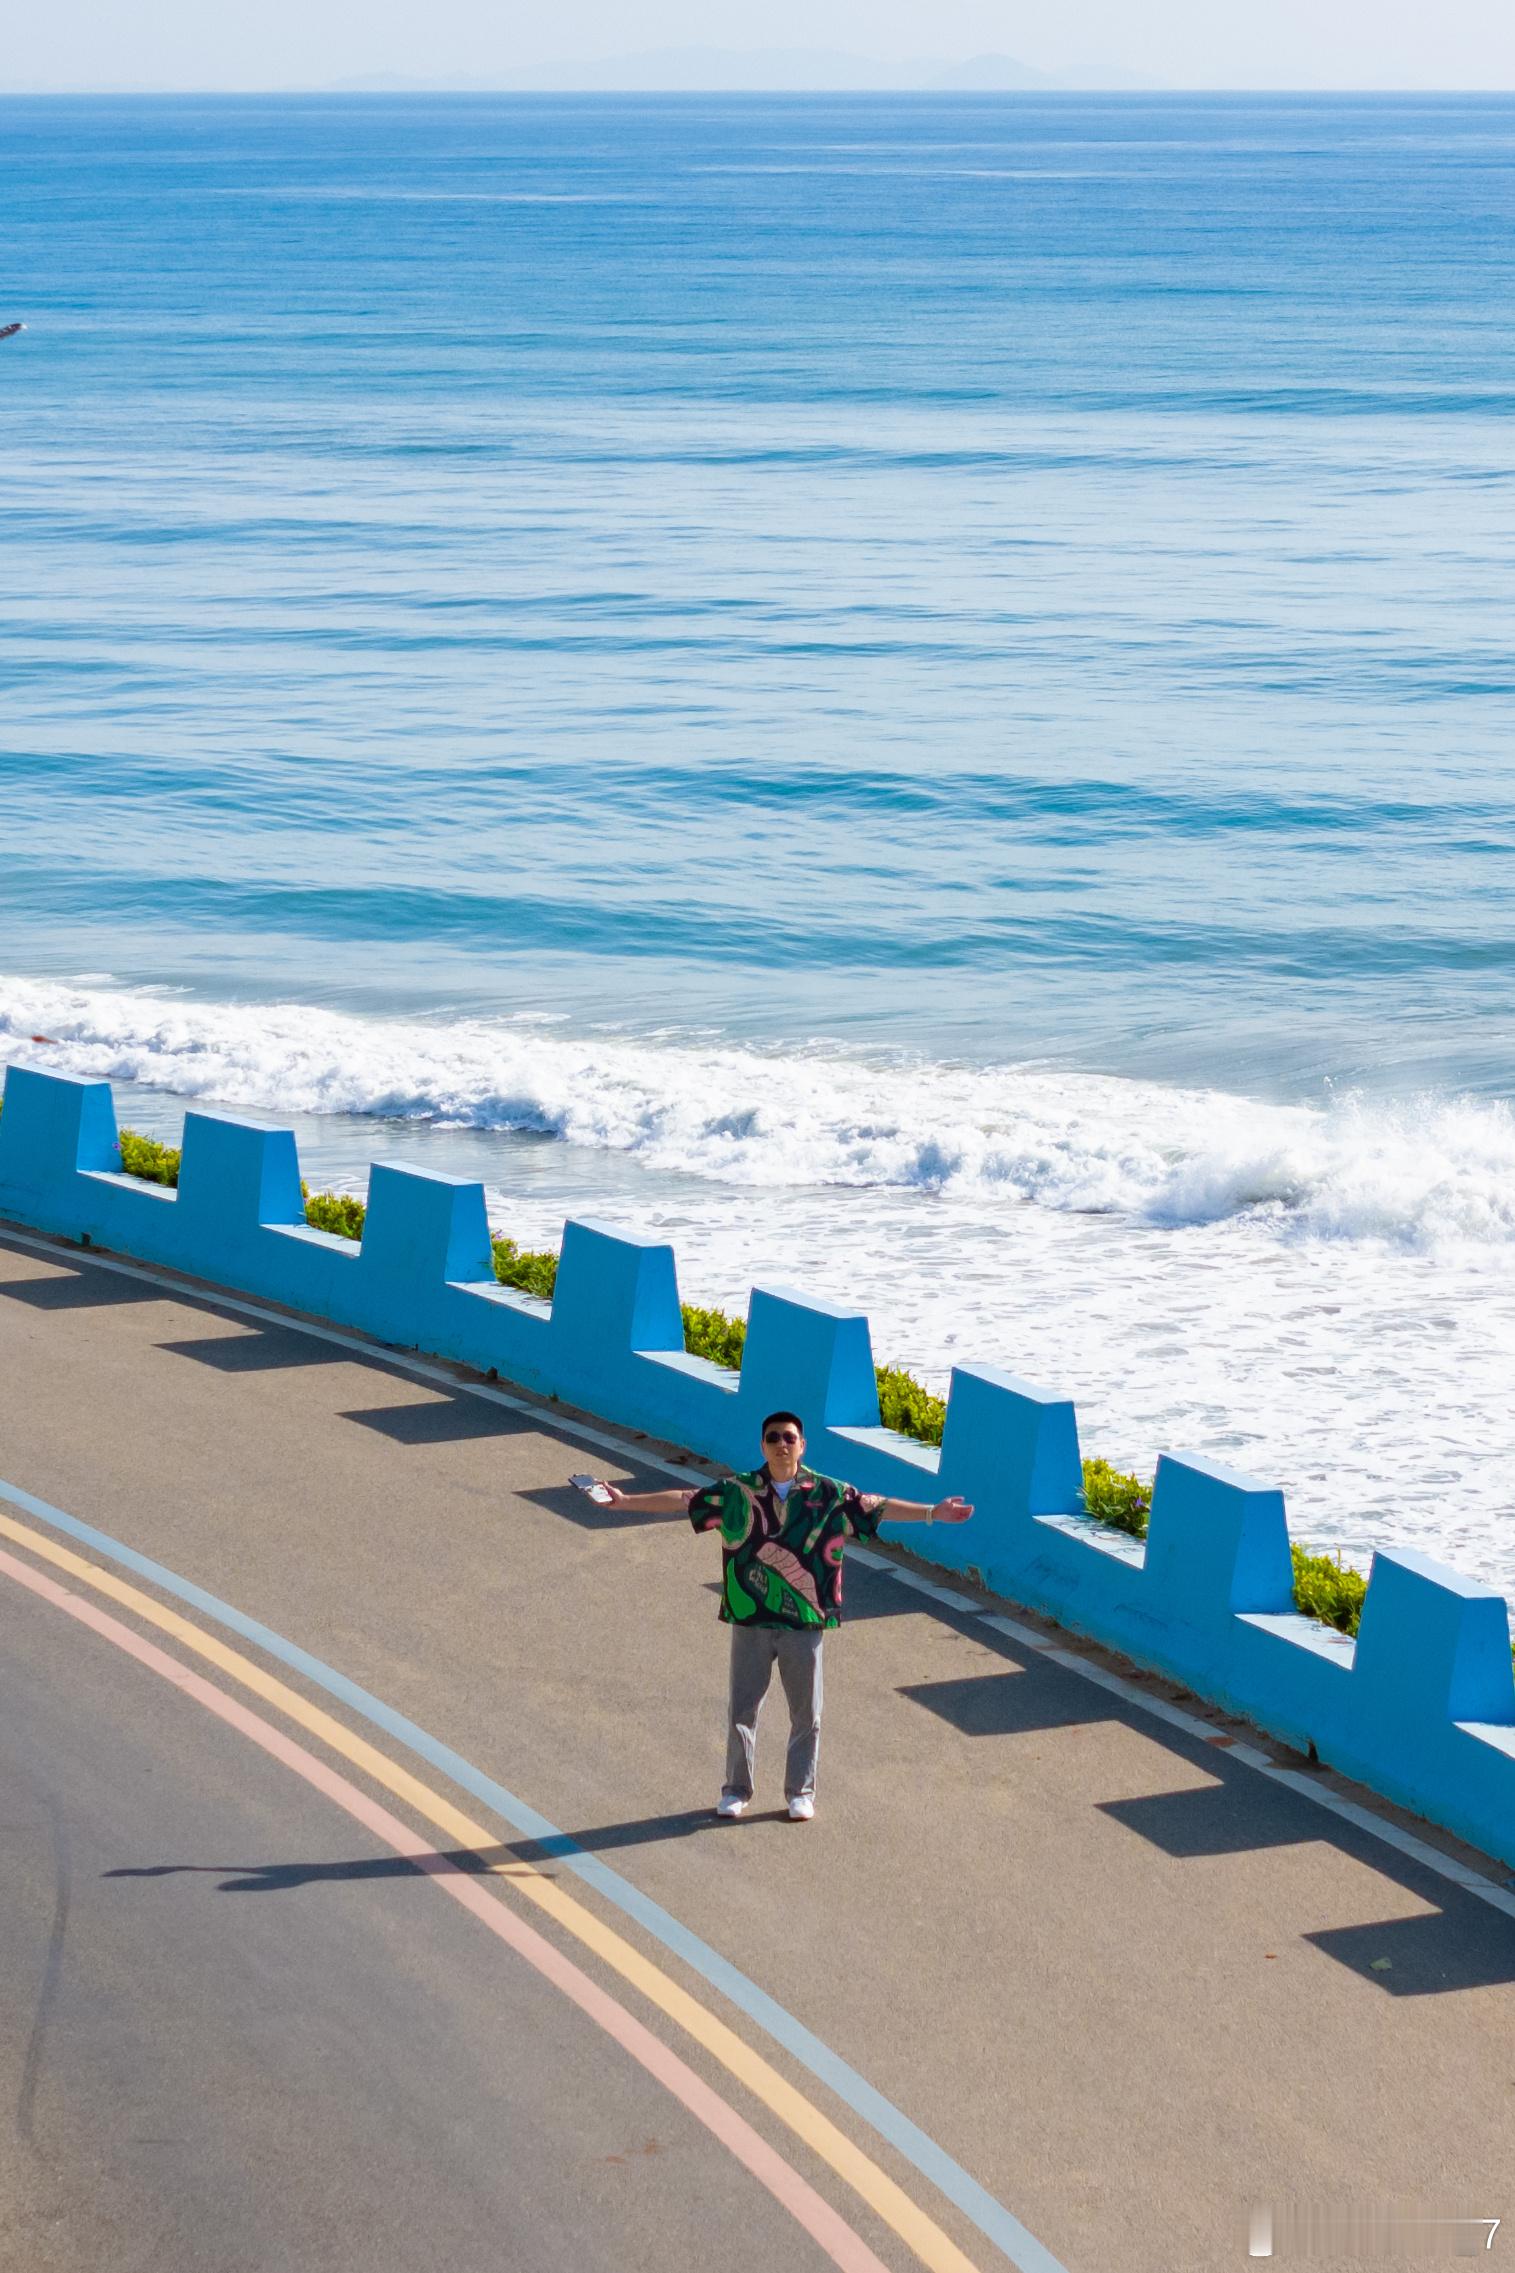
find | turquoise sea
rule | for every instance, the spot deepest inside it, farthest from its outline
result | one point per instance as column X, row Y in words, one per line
column 915, row 691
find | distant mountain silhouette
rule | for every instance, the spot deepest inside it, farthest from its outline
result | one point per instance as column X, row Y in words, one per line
column 988, row 72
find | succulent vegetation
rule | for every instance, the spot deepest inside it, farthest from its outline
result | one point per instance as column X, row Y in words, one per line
column 1327, row 1588
column 903, row 1404
column 529, row 1270
column 143, row 1156
column 1324, row 1586
column 1120, row 1500
column 337, row 1212
column 712, row 1334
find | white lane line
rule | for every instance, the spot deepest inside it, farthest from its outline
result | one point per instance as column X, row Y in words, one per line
column 1156, row 1708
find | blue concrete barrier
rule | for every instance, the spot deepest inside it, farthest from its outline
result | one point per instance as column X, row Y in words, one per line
column 1421, row 1707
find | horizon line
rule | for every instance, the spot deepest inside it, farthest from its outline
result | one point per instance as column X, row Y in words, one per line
column 1053, row 92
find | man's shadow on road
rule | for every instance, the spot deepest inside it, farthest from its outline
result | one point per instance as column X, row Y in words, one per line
column 511, row 1859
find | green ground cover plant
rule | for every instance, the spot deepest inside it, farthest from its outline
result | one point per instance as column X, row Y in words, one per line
column 1324, row 1586
column 337, row 1212
column 1111, row 1497
column 1327, row 1588
column 143, row 1156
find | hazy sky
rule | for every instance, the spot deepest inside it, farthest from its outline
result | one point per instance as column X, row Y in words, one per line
column 1179, row 43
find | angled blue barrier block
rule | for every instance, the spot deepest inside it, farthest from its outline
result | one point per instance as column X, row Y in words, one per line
column 1217, row 1549
column 1008, row 1442
column 1432, row 1648
column 422, row 1233
column 1011, row 1449
column 52, row 1128
column 234, row 1178
column 615, row 1293
column 618, row 1340
column 809, row 1356
column 1217, row 1542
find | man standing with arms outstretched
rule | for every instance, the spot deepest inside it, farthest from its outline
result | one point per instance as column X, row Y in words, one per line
column 784, row 1530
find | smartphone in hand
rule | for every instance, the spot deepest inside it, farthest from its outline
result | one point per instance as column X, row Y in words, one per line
column 591, row 1490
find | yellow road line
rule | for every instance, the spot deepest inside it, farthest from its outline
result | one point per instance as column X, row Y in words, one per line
column 839, row 2241
column 921, row 2234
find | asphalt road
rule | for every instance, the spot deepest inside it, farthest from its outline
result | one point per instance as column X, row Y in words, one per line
column 1133, row 1988
column 241, row 2033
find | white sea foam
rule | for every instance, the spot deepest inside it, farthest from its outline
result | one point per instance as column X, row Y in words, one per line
column 1427, row 1176
column 1323, row 1297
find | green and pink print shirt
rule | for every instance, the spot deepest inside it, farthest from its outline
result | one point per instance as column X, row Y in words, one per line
column 782, row 1558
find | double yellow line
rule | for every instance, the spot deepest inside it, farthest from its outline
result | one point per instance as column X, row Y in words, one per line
column 463, row 1835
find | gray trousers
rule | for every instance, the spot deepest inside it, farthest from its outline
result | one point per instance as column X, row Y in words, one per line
column 797, row 1652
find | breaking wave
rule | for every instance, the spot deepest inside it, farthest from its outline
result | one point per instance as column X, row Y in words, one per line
column 1423, row 1175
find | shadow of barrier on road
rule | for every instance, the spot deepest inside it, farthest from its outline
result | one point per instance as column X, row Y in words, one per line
column 262, row 1350
column 441, row 1419
column 1457, row 1942
column 79, row 1291
column 1421, row 1707
column 1223, row 1818
column 1461, row 1946
column 1013, row 1704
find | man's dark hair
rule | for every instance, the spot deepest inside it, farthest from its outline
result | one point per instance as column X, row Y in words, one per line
column 772, row 1417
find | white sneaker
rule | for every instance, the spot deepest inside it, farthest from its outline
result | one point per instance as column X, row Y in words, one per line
column 729, row 1804
column 801, row 1809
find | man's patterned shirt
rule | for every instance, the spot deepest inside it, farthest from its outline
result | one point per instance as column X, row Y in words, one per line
column 782, row 1559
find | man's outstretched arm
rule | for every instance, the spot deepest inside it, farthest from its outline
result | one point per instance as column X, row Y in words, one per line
column 953, row 1510
column 650, row 1503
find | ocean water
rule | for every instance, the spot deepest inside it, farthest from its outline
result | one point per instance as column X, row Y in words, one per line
column 914, row 692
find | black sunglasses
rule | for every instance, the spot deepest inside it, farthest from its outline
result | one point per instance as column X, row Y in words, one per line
column 781, row 1436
